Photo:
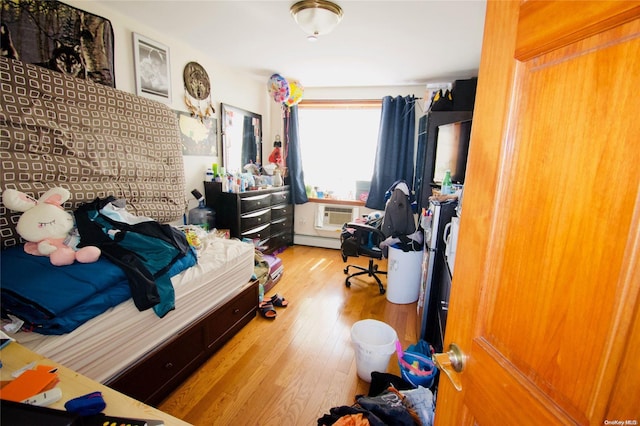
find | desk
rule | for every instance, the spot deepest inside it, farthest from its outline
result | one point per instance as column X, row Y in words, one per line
column 15, row 356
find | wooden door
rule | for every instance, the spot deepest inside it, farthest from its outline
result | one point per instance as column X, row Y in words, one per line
column 545, row 296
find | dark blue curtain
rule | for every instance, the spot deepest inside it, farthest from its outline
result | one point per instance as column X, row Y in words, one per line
column 394, row 154
column 295, row 174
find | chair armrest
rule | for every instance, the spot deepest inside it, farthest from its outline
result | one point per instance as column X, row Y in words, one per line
column 359, row 225
column 363, row 227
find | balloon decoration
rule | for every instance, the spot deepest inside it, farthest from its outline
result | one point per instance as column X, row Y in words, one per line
column 285, row 92
column 295, row 93
column 278, row 88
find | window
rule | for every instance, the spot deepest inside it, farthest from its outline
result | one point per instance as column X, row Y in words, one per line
column 338, row 142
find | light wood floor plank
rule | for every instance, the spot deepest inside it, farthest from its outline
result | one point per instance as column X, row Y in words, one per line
column 293, row 369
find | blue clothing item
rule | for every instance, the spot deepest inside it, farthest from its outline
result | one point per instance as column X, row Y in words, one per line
column 420, row 400
column 58, row 299
column 157, row 254
column 422, row 347
column 388, row 407
column 146, row 252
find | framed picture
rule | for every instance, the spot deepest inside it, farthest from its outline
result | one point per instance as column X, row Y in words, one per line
column 153, row 76
column 199, row 135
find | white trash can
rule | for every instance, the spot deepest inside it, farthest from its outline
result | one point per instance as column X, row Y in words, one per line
column 374, row 342
column 404, row 271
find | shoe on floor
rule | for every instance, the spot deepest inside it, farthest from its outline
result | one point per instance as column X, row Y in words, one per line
column 267, row 311
column 279, row 301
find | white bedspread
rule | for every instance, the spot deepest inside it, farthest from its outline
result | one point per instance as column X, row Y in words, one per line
column 108, row 343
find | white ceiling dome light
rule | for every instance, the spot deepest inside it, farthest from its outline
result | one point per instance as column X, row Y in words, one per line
column 316, row 17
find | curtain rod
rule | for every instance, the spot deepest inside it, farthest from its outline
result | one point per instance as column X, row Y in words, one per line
column 340, row 103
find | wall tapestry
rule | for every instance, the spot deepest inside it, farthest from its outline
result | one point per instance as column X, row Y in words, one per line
column 199, row 135
column 59, row 37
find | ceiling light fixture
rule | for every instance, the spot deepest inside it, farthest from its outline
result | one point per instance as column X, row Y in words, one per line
column 316, row 17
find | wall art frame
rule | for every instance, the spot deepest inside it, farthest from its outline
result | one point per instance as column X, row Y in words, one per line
column 199, row 134
column 152, row 69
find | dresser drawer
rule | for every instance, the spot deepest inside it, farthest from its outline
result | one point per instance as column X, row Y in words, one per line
column 254, row 219
column 280, row 240
column 259, row 233
column 281, row 210
column 281, row 225
column 232, row 313
column 256, row 202
column 281, row 197
column 155, row 372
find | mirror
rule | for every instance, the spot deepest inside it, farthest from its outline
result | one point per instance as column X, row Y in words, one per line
column 241, row 138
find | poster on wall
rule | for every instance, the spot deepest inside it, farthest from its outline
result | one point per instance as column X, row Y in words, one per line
column 151, row 61
column 57, row 36
column 199, row 135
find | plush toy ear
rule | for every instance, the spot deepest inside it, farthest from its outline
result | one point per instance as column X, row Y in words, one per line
column 16, row 200
column 56, row 196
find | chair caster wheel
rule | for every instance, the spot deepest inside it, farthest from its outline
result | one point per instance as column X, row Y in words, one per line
column 346, row 270
column 347, row 283
column 344, row 258
column 383, row 291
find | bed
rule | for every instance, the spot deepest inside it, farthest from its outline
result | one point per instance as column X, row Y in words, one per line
column 97, row 142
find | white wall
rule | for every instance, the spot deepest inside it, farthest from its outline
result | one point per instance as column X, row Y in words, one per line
column 227, row 85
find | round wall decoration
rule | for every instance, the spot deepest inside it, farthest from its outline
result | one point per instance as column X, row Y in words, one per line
column 198, row 88
column 196, row 81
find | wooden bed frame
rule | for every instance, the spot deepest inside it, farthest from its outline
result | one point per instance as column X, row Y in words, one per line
column 154, row 376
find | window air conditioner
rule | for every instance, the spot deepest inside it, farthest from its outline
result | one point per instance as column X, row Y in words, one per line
column 330, row 218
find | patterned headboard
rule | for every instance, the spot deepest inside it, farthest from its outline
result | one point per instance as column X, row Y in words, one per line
column 91, row 139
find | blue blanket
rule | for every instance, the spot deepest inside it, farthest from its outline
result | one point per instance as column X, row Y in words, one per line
column 58, row 299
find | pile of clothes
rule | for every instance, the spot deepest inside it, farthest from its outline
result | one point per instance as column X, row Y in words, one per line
column 391, row 401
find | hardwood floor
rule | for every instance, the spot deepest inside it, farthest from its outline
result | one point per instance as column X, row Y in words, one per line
column 292, row 370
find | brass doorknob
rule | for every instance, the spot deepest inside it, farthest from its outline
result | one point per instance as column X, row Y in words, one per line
column 451, row 363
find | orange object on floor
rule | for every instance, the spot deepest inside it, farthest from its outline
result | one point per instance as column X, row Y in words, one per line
column 30, row 383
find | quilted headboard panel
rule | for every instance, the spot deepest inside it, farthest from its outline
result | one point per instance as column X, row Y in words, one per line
column 91, row 139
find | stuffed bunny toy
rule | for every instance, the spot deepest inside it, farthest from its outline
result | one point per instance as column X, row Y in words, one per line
column 48, row 228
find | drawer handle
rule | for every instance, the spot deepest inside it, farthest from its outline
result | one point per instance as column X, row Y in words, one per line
column 236, row 311
column 168, row 365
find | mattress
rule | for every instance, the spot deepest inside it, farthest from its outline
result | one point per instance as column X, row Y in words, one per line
column 89, row 138
column 106, row 344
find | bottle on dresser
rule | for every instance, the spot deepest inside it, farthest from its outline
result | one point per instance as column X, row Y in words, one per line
column 447, row 187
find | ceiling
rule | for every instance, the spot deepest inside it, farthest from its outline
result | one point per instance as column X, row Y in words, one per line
column 378, row 43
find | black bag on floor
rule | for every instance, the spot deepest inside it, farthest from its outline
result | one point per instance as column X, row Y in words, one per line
column 381, row 381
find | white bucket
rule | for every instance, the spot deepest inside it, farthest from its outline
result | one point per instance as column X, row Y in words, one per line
column 373, row 342
column 404, row 271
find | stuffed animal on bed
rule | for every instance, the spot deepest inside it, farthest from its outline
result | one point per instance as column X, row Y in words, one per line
column 48, row 228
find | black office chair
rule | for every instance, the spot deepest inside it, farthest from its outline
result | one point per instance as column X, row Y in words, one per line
column 359, row 239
